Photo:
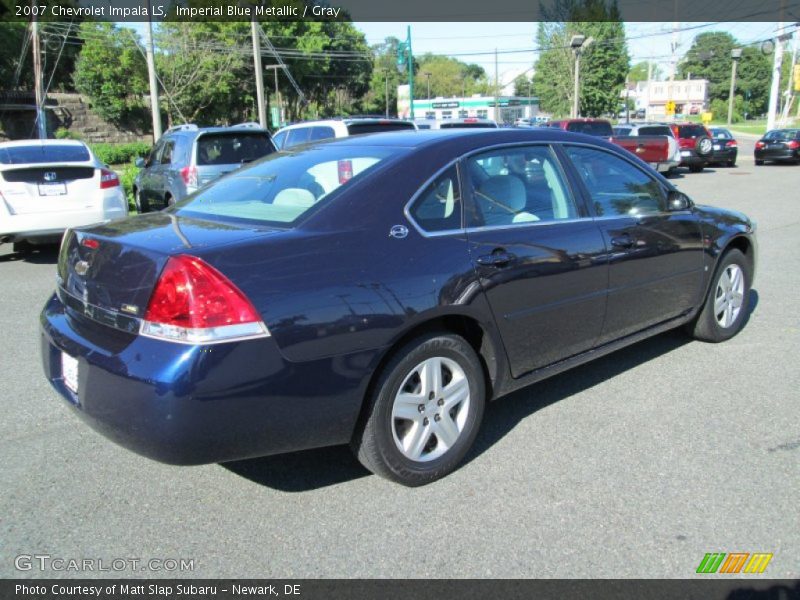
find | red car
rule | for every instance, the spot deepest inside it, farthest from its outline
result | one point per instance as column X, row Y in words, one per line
column 695, row 143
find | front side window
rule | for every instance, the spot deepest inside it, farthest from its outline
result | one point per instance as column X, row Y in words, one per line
column 438, row 208
column 283, row 187
column 517, row 185
column 615, row 186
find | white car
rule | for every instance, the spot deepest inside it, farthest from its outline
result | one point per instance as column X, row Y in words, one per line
column 310, row 131
column 48, row 186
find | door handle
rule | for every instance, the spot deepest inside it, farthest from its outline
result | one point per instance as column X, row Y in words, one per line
column 496, row 259
column 622, row 241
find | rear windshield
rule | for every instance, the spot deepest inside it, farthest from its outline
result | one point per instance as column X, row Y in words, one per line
column 232, row 148
column 591, row 128
column 280, row 189
column 691, row 131
column 721, row 134
column 377, row 127
column 783, row 134
column 655, row 130
column 462, row 124
column 43, row 153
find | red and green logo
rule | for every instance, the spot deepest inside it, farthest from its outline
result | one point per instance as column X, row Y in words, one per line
column 735, row 562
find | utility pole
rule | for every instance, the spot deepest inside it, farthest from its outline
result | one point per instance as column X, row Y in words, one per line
column 649, row 84
column 789, row 85
column 774, row 90
column 736, row 54
column 41, row 123
column 274, row 69
column 262, row 106
column 428, row 77
column 577, row 43
column 496, row 89
column 386, row 91
column 151, row 72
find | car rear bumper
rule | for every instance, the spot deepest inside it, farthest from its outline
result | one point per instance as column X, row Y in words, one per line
column 781, row 154
column 690, row 158
column 726, row 155
column 50, row 226
column 188, row 404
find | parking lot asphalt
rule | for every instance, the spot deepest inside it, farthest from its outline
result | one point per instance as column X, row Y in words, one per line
column 635, row 465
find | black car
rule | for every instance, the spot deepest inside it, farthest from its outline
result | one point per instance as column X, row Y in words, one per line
column 378, row 291
column 726, row 148
column 779, row 145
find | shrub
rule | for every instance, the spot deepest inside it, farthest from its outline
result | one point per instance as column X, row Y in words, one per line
column 117, row 154
column 126, row 176
column 63, row 133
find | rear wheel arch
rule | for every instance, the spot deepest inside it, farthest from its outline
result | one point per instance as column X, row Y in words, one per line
column 465, row 326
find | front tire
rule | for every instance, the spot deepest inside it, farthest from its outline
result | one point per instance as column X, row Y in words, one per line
column 728, row 300
column 424, row 411
column 142, row 205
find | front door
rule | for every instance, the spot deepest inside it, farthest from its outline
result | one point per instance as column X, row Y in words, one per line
column 539, row 258
column 655, row 256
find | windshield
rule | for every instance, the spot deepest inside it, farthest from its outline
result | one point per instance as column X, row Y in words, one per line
column 280, row 189
column 232, row 148
column 43, row 153
column 721, row 134
column 591, row 128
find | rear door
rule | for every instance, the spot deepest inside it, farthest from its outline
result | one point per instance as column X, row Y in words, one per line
column 539, row 258
column 655, row 256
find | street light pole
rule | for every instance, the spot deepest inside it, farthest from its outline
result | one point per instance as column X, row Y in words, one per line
column 386, row 79
column 736, row 54
column 428, row 78
column 576, row 43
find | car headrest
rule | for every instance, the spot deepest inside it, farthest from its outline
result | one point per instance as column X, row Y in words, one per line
column 506, row 190
column 294, row 197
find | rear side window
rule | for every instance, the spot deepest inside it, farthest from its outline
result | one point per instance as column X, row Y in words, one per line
column 282, row 188
column 378, row 127
column 516, row 185
column 591, row 128
column 232, row 148
column 166, row 154
column 278, row 139
column 616, row 187
column 438, row 208
column 691, row 131
column 657, row 130
column 43, row 153
column 320, row 132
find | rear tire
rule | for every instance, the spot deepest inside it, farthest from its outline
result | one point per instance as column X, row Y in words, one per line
column 696, row 168
column 424, row 412
column 728, row 300
column 23, row 247
column 759, row 162
column 142, row 205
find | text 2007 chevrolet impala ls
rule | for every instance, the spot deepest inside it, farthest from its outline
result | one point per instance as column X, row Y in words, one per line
column 378, row 290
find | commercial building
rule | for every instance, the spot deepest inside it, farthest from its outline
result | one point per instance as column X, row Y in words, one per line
column 689, row 95
column 503, row 109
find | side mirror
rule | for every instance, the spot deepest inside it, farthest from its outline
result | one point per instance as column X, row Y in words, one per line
column 677, row 201
column 139, row 162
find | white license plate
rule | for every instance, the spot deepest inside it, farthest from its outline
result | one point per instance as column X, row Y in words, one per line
column 685, row 153
column 52, row 189
column 69, row 371
column 717, row 146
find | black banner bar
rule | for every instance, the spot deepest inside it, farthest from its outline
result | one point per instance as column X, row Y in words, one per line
column 399, row 589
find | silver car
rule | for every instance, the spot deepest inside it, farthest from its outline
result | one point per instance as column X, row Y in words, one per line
column 187, row 157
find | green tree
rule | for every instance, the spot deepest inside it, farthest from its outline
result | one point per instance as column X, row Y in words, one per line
column 604, row 62
column 111, row 71
column 384, row 67
column 448, row 77
column 523, row 85
column 709, row 57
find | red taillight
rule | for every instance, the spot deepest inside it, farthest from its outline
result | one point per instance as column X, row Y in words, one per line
column 760, row 144
column 793, row 144
column 470, row 120
column 90, row 243
column 345, row 171
column 731, row 144
column 108, row 179
column 193, row 302
column 189, row 176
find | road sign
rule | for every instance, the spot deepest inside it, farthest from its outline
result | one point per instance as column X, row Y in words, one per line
column 797, row 78
column 669, row 107
column 706, row 117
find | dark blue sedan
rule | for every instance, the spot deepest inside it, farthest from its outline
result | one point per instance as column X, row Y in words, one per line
column 378, row 291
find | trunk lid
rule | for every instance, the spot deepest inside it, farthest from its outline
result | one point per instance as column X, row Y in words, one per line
column 107, row 272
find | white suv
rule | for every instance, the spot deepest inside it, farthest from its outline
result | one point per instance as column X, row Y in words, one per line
column 311, row 131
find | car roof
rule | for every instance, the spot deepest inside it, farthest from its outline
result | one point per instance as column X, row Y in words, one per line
column 459, row 141
column 47, row 142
